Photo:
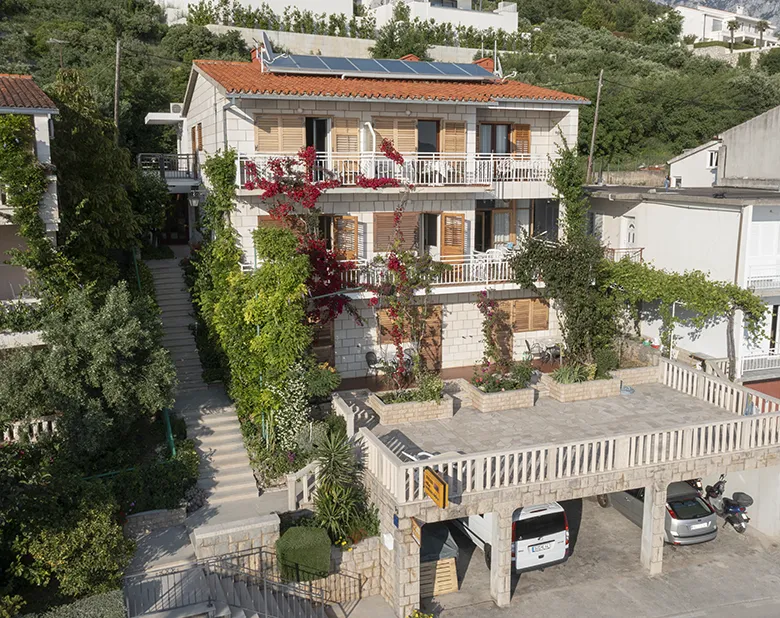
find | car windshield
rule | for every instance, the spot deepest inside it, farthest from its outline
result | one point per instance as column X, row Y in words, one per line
column 689, row 508
column 536, row 527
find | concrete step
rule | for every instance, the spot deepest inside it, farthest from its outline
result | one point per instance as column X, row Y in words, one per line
column 220, row 442
column 184, row 364
column 226, row 466
column 227, row 476
column 243, row 485
column 225, row 460
column 217, row 497
column 178, row 312
column 183, row 355
column 177, row 302
column 214, row 421
column 180, row 337
column 171, row 323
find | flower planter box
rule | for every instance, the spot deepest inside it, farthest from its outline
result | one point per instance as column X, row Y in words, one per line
column 498, row 401
column 582, row 391
column 410, row 411
column 637, row 375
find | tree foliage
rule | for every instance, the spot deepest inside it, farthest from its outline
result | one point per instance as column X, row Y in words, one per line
column 770, row 61
column 398, row 37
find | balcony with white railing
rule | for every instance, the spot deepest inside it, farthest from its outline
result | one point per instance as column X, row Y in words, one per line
column 764, row 365
column 615, row 254
column 763, row 278
column 419, row 169
column 174, row 169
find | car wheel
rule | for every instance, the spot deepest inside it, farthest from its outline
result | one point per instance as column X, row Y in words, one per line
column 603, row 500
column 488, row 555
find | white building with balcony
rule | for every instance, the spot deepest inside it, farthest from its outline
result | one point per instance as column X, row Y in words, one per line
column 710, row 24
column 476, row 148
column 176, row 10
column 20, row 95
column 455, row 12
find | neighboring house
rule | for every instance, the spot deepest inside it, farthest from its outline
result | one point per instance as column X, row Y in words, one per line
column 732, row 234
column 750, row 153
column 176, row 10
column 476, row 148
column 708, row 24
column 455, row 12
column 20, row 95
column 697, row 167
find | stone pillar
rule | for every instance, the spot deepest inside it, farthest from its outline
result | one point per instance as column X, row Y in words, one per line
column 501, row 559
column 652, row 552
column 406, row 554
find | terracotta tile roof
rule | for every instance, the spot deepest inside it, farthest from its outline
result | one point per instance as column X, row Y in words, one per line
column 246, row 78
column 20, row 91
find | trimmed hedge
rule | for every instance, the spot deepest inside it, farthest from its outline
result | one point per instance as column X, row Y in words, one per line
column 107, row 605
column 304, row 554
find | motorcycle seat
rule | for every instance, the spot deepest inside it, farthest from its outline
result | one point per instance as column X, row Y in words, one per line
column 742, row 499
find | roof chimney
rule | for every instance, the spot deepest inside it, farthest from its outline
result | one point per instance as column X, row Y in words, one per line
column 485, row 63
column 255, row 54
column 410, row 58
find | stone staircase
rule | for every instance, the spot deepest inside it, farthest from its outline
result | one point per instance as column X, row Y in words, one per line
column 225, row 471
column 218, row 590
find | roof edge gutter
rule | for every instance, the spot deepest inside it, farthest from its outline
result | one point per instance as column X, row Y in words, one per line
column 485, row 104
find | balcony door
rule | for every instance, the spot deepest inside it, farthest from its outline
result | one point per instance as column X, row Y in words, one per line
column 317, row 132
column 493, row 225
column 427, row 136
column 494, row 138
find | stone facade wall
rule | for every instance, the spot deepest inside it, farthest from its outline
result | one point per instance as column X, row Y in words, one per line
column 221, row 539
column 592, row 389
column 147, row 521
column 363, row 561
column 394, row 413
column 495, row 402
column 637, row 375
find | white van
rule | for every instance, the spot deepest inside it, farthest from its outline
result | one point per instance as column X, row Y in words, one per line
column 540, row 536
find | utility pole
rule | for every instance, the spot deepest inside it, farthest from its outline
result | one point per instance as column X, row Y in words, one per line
column 116, row 89
column 595, row 125
column 59, row 45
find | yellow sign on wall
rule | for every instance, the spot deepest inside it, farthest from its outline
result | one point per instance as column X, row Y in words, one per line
column 436, row 488
column 417, row 530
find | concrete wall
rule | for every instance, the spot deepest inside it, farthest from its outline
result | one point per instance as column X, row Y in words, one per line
column 221, row 539
column 363, row 561
column 633, row 178
column 694, row 170
column 678, row 237
column 724, row 54
column 751, row 151
column 143, row 523
column 504, row 18
column 298, row 43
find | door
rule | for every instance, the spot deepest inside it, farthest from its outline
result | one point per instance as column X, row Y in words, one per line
column 482, row 225
column 176, row 229
column 345, row 237
column 629, row 231
column 317, row 130
column 453, row 232
column 431, row 341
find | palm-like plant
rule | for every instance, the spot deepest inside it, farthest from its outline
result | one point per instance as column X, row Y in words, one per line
column 762, row 27
column 733, row 26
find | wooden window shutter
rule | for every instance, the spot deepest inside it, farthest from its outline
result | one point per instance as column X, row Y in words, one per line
column 540, row 314
column 406, row 135
column 453, row 227
column 193, row 139
column 521, row 139
column 385, row 324
column 267, row 134
column 384, row 129
column 504, row 327
column 269, row 221
column 521, row 316
column 384, row 230
column 454, row 136
column 200, row 137
column 346, row 132
column 323, row 344
column 293, row 129
column 431, row 341
column 345, row 241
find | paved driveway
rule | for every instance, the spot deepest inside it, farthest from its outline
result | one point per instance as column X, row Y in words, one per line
column 735, row 574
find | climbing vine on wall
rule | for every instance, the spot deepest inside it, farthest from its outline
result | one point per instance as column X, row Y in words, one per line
column 25, row 182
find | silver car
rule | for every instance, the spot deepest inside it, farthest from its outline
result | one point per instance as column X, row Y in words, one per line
column 689, row 519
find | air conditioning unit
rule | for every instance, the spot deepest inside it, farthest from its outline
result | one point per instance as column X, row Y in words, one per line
column 176, row 108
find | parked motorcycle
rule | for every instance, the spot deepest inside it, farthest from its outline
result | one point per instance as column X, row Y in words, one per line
column 734, row 509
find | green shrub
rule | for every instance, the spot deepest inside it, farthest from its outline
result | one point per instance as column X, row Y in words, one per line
column 606, row 360
column 20, row 317
column 322, row 380
column 304, row 554
column 163, row 252
column 106, row 605
column 489, row 379
column 571, row 374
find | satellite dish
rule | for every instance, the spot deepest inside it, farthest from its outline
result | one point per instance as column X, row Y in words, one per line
column 268, row 49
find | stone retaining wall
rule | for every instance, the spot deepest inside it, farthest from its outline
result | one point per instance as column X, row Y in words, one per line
column 638, row 353
column 637, row 375
column 363, row 562
column 592, row 389
column 147, row 521
column 495, row 402
column 221, row 539
column 394, row 413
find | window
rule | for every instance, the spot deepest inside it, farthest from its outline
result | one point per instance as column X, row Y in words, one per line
column 200, row 137
column 678, row 181
column 494, row 138
column 689, row 508
column 712, row 158
column 594, row 224
column 427, row 136
column 773, row 331
column 717, row 25
column 544, row 219
column 317, row 133
column 482, row 225
column 193, row 139
column 540, row 526
column 449, row 4
column 326, row 230
column 384, row 230
column 430, row 230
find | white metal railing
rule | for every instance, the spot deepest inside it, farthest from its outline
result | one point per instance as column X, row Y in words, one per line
column 615, row 254
column 473, row 268
column 756, row 424
column 760, row 362
column 31, row 429
column 435, row 169
column 169, row 166
column 764, row 277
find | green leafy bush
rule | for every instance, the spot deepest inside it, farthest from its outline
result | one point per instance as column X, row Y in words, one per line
column 489, row 379
column 606, row 360
column 106, row 605
column 430, row 387
column 322, row 380
column 570, row 374
column 20, row 317
column 161, row 252
column 304, row 553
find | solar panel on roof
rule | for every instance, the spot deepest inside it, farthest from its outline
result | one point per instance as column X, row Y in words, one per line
column 449, row 68
column 424, row 68
column 339, row 64
column 395, row 66
column 309, row 62
column 476, row 70
column 282, row 62
column 368, row 66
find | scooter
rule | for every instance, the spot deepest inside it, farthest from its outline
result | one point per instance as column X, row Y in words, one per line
column 734, row 509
